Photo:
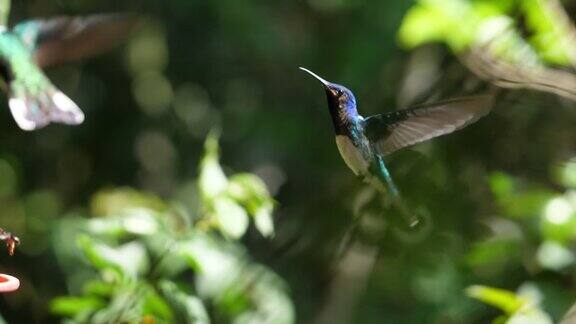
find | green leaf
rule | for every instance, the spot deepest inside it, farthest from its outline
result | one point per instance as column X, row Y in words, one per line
column 263, row 220
column 502, row 299
column 212, row 181
column 187, row 308
column 128, row 260
column 551, row 31
column 217, row 263
column 245, row 187
column 232, row 219
column 158, row 307
column 251, row 191
column 70, row 306
column 423, row 24
column 163, row 250
column 140, row 221
column 98, row 288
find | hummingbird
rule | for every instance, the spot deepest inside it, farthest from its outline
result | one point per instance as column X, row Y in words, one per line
column 364, row 142
column 32, row 45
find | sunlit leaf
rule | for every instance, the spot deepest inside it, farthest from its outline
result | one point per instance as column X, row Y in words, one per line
column 69, row 306
column 232, row 219
column 245, row 187
column 106, row 227
column 212, row 180
column 98, row 288
column 551, row 31
column 250, row 191
column 140, row 221
column 264, row 221
column 217, row 264
column 424, row 24
column 502, row 299
column 129, row 259
column 520, row 308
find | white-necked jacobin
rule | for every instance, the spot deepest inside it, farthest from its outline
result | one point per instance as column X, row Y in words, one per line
column 363, row 142
column 28, row 47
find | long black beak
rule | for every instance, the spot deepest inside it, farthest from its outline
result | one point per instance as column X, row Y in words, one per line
column 316, row 76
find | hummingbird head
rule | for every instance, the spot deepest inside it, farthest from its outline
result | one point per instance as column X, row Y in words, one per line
column 340, row 98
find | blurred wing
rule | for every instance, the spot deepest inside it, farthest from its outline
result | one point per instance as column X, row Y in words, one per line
column 395, row 130
column 62, row 39
column 515, row 76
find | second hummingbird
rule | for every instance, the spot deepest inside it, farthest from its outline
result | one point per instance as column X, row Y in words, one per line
column 28, row 47
column 364, row 142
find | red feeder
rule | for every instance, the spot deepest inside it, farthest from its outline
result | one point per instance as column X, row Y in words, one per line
column 8, row 283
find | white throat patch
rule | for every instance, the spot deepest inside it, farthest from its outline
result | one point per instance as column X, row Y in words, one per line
column 351, row 155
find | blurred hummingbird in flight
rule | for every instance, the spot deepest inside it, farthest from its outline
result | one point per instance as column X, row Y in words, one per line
column 364, row 142
column 32, row 45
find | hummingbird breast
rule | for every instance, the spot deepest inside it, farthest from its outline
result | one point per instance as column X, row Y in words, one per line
column 355, row 155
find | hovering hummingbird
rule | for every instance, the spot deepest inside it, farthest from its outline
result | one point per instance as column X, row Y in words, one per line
column 364, row 142
column 32, row 45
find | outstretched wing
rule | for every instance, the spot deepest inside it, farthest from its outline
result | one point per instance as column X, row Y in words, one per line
column 62, row 39
column 395, row 130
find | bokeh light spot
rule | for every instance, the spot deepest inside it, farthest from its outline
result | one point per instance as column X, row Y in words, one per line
column 193, row 106
column 8, row 179
column 155, row 152
column 558, row 211
column 148, row 51
column 552, row 255
column 153, row 92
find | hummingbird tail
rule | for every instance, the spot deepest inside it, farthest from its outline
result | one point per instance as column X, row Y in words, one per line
column 384, row 176
column 36, row 110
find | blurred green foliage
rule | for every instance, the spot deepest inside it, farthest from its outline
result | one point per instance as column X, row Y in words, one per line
column 518, row 308
column 143, row 260
column 535, row 218
column 463, row 24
